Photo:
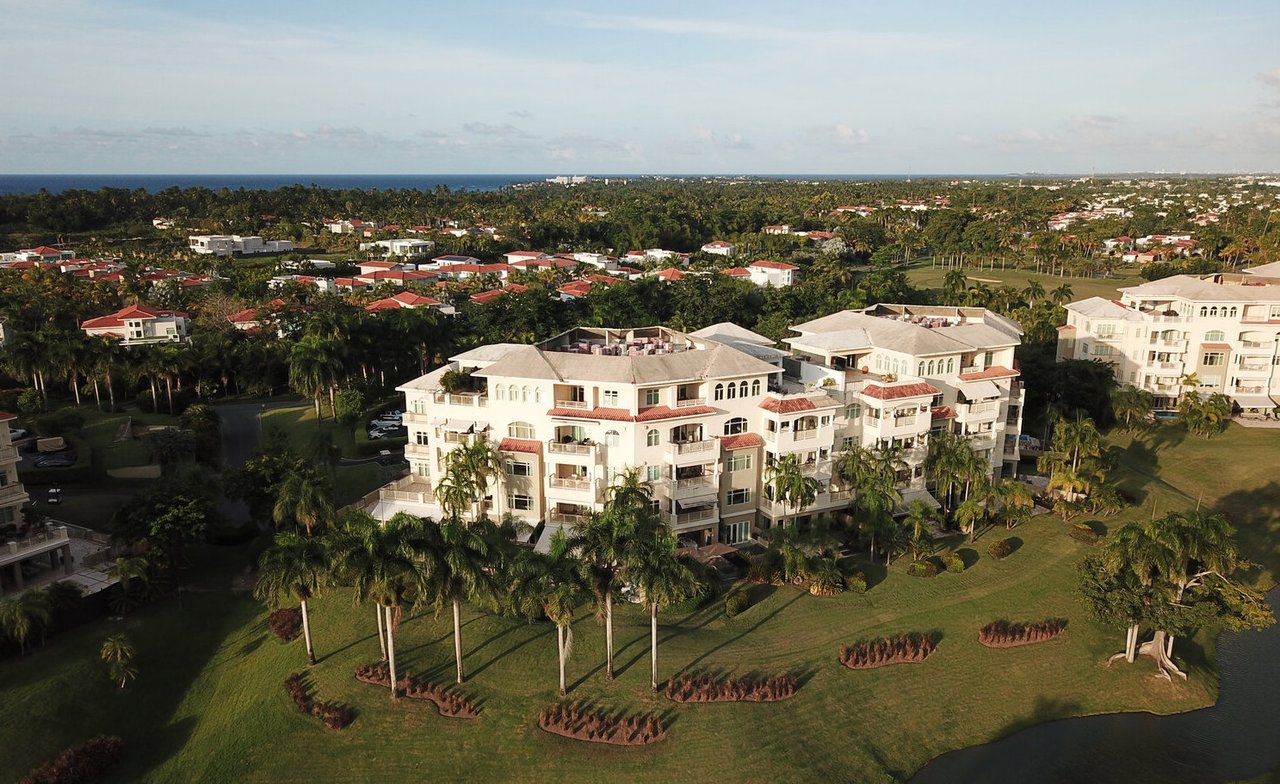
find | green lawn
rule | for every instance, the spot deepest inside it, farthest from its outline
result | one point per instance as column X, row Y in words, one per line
column 209, row 705
column 922, row 275
column 351, row 481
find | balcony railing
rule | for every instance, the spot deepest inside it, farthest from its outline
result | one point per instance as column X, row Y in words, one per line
column 971, row 369
column 1159, row 365
column 696, row 516
column 981, row 408
column 570, row 483
column 691, row 402
column 565, row 518
column 557, row 448
column 1251, row 390
column 816, row 467
column 417, row 450
column 578, row 404
column 10, row 492
column 8, row 454
column 693, row 483
column 804, row 435
column 480, row 399
column 694, row 447
column 413, row 418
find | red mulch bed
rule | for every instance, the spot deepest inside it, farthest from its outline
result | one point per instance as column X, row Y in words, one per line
column 450, row 704
column 582, row 722
column 1002, row 634
column 707, row 688
column 903, row 649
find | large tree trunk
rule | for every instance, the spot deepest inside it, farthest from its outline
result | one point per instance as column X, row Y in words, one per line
column 560, row 651
column 608, row 635
column 97, row 394
column 75, row 384
column 306, row 634
column 457, row 637
column 168, row 391
column 653, row 645
column 1157, row 649
column 382, row 640
column 391, row 654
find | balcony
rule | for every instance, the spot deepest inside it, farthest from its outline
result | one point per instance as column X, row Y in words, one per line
column 454, row 437
column 413, row 489
column 417, row 450
column 414, row 418
column 698, row 518
column 1163, row 365
column 815, row 468
column 567, row 518
column 580, row 405
column 804, row 435
column 1170, row 345
column 12, row 494
column 687, row 452
column 572, row 489
column 691, row 402
column 696, row 485
column 980, row 441
column 581, row 450
column 476, row 399
column 1248, row 390
column 971, row 369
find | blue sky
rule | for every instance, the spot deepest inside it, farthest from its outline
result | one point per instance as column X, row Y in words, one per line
column 659, row 87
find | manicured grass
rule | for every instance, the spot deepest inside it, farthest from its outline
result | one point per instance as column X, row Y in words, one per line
column 209, row 704
column 922, row 275
column 100, row 430
column 350, row 481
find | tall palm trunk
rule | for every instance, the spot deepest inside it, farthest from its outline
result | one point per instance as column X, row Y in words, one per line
column 382, row 639
column 75, row 384
column 560, row 647
column 306, row 633
column 1131, row 643
column 608, row 635
column 457, row 637
column 391, row 654
column 168, row 390
column 653, row 645
column 111, row 391
column 97, row 394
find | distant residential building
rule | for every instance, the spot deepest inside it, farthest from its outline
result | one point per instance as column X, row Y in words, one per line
column 12, row 494
column 405, row 248
column 235, row 245
column 407, row 300
column 778, row 274
column 778, row 229
column 719, row 248
column 139, row 324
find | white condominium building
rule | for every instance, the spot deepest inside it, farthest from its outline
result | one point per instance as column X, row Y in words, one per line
column 702, row 414
column 1222, row 329
column 12, row 495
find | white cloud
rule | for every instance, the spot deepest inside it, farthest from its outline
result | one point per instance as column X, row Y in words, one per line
column 1270, row 78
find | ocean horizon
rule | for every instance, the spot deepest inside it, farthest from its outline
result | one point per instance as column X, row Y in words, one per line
column 19, row 184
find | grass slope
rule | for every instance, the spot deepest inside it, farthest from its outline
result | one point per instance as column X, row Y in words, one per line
column 921, row 275
column 209, row 705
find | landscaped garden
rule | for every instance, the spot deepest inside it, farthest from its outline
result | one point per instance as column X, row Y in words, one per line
column 209, row 701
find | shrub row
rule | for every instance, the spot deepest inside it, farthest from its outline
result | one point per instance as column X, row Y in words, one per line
column 1083, row 533
column 706, row 688
column 902, row 649
column 581, row 722
column 285, row 623
column 1003, row 634
column 334, row 715
column 83, row 764
column 448, row 703
column 1000, row 549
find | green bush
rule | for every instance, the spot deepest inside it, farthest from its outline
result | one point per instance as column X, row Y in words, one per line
column 1001, row 549
column 857, row 583
column 737, row 599
column 953, row 562
column 1083, row 533
column 922, row 569
column 350, row 406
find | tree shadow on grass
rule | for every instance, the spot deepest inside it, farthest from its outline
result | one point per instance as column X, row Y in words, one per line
column 773, row 614
column 874, row 572
column 549, row 630
column 968, row 555
column 1015, row 544
column 680, row 627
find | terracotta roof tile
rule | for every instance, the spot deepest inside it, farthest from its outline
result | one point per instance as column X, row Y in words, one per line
column 995, row 371
column 787, row 406
column 743, row 441
column 520, row 445
column 899, row 391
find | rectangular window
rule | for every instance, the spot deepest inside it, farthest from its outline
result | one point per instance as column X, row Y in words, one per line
column 651, row 397
column 846, row 442
column 522, row 503
column 424, row 469
column 740, row 462
column 652, row 473
column 420, row 438
column 1212, row 358
column 936, row 401
column 1102, row 350
column 824, row 421
column 873, row 414
column 610, row 397
column 738, row 496
column 516, row 468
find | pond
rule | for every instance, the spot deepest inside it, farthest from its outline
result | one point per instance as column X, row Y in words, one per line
column 1237, row 738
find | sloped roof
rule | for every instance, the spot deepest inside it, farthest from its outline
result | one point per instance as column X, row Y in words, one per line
column 743, row 441
column 899, row 391
column 727, row 331
column 132, row 312
column 787, row 405
column 1101, row 307
column 717, row 360
column 520, row 445
column 1204, row 289
column 850, row 330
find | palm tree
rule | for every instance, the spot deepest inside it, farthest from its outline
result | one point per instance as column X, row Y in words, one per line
column 917, row 523
column 314, row 366
column 21, row 615
column 1061, row 294
column 303, row 497
column 663, row 581
column 788, row 484
column 1016, row 501
column 131, row 571
column 455, row 490
column 1132, row 548
column 459, row 558
column 1033, row 292
column 1131, row 404
column 480, row 463
column 1197, row 545
column 384, row 563
column 969, row 514
column 117, row 652
column 551, row 584
column 297, row 567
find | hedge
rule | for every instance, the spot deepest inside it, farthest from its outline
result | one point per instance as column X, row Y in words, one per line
column 953, row 562
column 922, row 569
column 1083, row 533
column 1000, row 549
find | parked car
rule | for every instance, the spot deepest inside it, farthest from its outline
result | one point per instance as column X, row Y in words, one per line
column 60, row 460
column 388, row 418
column 55, row 495
column 17, row 434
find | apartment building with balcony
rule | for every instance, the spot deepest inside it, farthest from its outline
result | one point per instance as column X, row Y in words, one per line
column 703, row 414
column 1223, row 329
column 137, row 324
column 12, row 494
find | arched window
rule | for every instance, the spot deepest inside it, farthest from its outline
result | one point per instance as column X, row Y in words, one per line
column 732, row 391
column 735, row 426
column 1213, row 311
column 611, row 438
column 520, row 430
column 920, row 369
column 537, row 394
column 524, row 394
column 755, row 387
column 951, row 364
column 742, row 389
column 930, row 370
column 1204, row 311
column 719, row 394
column 1233, row 313
column 652, row 438
column 1214, row 336
column 499, row 392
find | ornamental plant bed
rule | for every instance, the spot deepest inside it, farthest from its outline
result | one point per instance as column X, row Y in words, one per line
column 703, row 687
column 903, row 649
column 285, row 623
column 334, row 715
column 582, row 722
column 1003, row 634
column 88, row 762
column 450, row 704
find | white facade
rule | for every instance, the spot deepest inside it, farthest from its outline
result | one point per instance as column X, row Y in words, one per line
column 235, row 245
column 719, row 248
column 1223, row 328
column 772, row 273
column 408, row 248
column 137, row 324
column 702, row 414
column 12, row 494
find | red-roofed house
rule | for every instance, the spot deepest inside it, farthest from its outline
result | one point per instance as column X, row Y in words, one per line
column 719, row 248
column 772, row 273
column 408, row 300
column 44, row 253
column 137, row 324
